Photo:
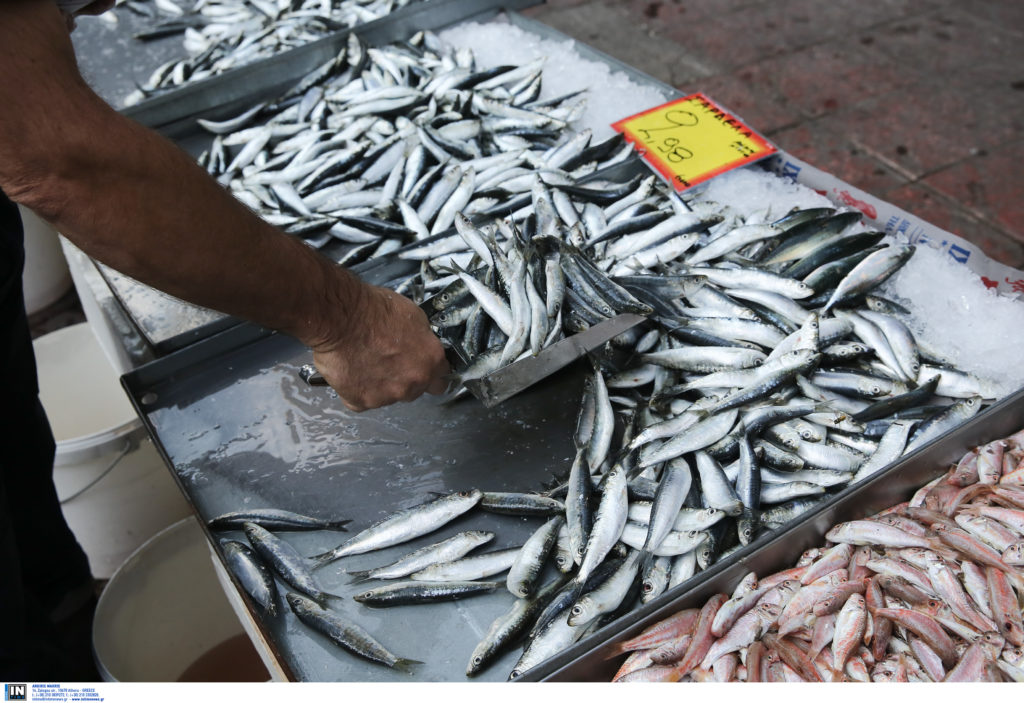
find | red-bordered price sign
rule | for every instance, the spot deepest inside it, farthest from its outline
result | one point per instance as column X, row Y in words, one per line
column 691, row 140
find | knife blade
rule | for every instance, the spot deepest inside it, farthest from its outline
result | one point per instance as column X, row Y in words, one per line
column 506, row 382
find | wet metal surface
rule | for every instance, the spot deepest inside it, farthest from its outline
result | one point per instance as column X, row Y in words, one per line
column 244, row 431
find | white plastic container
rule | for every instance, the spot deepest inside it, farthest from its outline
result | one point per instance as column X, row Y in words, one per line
column 164, row 617
column 46, row 276
column 119, row 493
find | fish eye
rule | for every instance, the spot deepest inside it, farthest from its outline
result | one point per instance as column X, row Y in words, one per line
column 648, row 587
column 577, row 610
column 514, row 674
column 477, row 659
column 463, row 494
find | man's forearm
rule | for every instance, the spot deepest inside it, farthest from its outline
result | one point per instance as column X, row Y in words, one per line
column 136, row 202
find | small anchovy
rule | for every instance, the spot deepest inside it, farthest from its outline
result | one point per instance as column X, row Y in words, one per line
column 554, row 638
column 469, row 568
column 285, row 560
column 941, row 423
column 404, row 525
column 506, row 628
column 448, row 550
column 608, row 525
column 890, row 448
column 869, row 274
column 655, row 579
column 566, row 595
column 417, row 592
column 345, row 634
column 609, row 595
column 530, row 560
column 274, row 519
column 252, row 573
column 526, row 504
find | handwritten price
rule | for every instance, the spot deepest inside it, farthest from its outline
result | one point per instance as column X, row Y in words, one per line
column 671, row 146
column 691, row 140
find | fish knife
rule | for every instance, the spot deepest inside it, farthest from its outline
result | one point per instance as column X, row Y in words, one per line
column 498, row 386
column 507, row 381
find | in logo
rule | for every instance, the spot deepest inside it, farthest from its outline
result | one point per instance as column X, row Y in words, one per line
column 15, row 692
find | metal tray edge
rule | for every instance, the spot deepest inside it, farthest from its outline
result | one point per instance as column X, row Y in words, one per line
column 170, row 110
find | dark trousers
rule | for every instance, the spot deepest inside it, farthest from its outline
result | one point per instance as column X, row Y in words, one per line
column 41, row 563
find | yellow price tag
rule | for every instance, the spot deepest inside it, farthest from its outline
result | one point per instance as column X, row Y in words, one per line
column 691, row 140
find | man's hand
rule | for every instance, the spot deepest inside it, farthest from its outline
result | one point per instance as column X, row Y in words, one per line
column 382, row 352
column 96, row 8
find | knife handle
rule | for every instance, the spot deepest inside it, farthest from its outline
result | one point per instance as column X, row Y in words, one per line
column 311, row 376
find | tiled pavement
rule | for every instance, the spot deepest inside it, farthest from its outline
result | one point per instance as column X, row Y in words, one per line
column 919, row 102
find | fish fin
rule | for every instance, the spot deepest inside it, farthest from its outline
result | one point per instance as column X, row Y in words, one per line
column 407, row 666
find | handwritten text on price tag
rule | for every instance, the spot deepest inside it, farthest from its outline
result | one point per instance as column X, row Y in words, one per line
column 691, row 140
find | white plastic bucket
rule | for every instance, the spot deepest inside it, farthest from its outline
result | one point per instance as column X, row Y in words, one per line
column 163, row 616
column 46, row 276
column 118, row 491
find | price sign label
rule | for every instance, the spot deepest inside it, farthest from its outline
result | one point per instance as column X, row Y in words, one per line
column 691, row 140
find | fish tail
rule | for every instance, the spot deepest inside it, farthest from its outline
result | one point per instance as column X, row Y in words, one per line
column 338, row 525
column 407, row 666
column 324, row 559
column 943, row 550
column 359, row 576
column 616, row 649
column 331, row 596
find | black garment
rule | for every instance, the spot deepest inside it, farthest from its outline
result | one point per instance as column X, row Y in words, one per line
column 41, row 564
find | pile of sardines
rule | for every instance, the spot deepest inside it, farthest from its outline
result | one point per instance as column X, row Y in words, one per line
column 220, row 35
column 928, row 590
column 383, row 147
column 767, row 377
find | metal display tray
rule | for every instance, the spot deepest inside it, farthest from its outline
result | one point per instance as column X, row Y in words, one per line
column 168, row 324
column 591, row 659
column 232, row 90
column 239, row 429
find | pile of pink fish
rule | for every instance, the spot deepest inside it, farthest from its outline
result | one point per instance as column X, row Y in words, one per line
column 928, row 590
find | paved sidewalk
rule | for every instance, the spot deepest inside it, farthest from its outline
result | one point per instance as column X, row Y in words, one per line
column 920, row 102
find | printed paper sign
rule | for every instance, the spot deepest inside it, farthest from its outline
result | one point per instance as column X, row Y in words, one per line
column 691, row 140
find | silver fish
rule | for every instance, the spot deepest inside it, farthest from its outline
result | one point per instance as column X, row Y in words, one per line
column 404, row 525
